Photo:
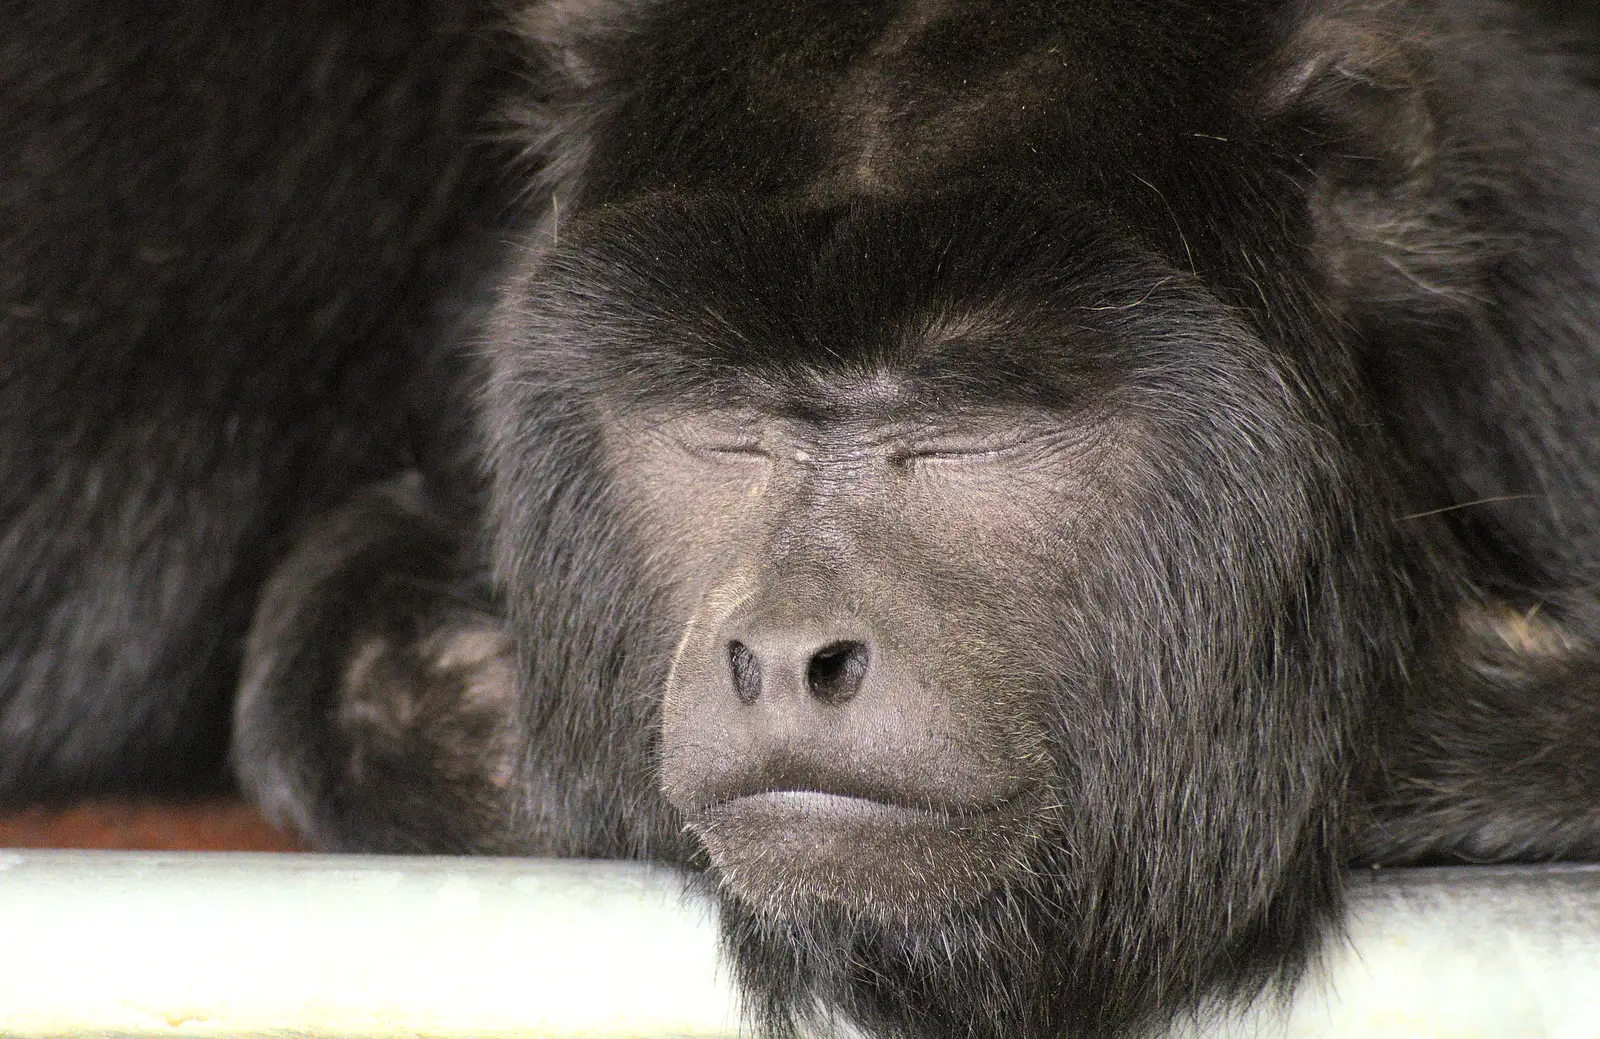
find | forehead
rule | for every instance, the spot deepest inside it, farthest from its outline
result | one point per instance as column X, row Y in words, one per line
column 1148, row 123
column 948, row 302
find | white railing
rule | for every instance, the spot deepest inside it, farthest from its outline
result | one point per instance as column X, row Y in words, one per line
column 176, row 944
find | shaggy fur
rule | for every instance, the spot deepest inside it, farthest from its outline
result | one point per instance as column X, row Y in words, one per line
column 1014, row 496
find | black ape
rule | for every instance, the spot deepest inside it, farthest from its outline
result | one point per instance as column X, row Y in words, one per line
column 230, row 237
column 1018, row 494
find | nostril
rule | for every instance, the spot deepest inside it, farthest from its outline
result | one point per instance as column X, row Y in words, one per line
column 746, row 673
column 836, row 671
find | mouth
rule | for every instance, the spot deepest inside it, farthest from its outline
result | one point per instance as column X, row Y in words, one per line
column 784, row 849
column 794, row 782
column 830, row 804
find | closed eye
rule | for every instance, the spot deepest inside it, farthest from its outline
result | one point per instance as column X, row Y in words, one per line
column 735, row 450
column 957, row 453
column 997, row 446
column 720, row 437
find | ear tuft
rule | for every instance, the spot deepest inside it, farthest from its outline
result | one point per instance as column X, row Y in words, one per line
column 1355, row 94
column 565, row 35
column 1352, row 78
column 565, row 92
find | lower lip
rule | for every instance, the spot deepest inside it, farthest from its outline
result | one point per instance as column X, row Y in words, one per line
column 783, row 848
column 824, row 807
column 812, row 801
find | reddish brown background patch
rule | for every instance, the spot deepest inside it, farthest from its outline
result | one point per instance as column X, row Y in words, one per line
column 144, row 824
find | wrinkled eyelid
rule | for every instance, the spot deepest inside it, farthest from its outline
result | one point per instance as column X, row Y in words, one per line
column 718, row 448
column 969, row 452
column 715, row 437
column 974, row 454
column 753, row 449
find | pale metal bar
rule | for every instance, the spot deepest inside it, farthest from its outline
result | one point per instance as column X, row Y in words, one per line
column 1456, row 953
column 172, row 944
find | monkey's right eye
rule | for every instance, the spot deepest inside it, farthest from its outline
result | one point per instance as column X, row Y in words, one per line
column 714, row 438
column 733, row 450
column 720, row 443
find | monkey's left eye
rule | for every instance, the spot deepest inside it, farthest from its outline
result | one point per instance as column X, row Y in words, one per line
column 943, row 451
column 982, row 443
column 962, row 450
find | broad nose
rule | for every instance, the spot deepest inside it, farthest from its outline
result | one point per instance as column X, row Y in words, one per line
column 778, row 663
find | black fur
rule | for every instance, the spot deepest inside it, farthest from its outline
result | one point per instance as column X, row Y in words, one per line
column 1184, row 417
column 231, row 236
